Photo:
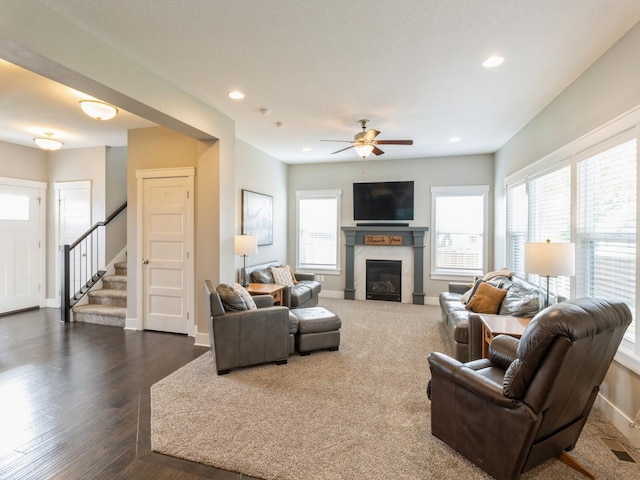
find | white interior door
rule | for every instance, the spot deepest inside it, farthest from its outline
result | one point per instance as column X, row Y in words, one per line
column 20, row 246
column 73, row 218
column 166, row 238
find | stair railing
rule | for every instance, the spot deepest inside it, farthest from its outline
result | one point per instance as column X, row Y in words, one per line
column 79, row 265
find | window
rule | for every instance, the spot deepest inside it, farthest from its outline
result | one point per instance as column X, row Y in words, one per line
column 14, row 207
column 459, row 230
column 550, row 217
column 589, row 198
column 318, row 229
column 606, row 230
column 517, row 227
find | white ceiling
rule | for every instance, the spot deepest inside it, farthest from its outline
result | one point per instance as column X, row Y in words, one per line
column 413, row 67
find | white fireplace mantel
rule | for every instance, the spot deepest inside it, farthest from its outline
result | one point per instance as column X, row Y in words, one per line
column 412, row 237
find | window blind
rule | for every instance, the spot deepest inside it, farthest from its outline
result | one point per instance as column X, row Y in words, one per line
column 606, row 230
column 517, row 221
column 318, row 231
column 550, row 215
column 459, row 234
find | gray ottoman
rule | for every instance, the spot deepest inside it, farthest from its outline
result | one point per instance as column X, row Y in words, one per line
column 318, row 329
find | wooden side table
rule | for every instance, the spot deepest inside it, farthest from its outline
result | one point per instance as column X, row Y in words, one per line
column 492, row 326
column 272, row 289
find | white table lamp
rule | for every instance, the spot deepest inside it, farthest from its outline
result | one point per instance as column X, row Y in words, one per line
column 548, row 259
column 244, row 246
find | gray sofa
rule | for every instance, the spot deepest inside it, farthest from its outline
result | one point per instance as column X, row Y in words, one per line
column 464, row 327
column 302, row 294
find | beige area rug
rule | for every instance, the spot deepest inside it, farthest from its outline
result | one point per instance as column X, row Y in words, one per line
column 358, row 413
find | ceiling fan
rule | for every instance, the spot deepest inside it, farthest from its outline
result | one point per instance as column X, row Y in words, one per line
column 365, row 141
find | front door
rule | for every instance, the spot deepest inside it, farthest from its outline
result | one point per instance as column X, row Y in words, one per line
column 166, row 243
column 20, row 247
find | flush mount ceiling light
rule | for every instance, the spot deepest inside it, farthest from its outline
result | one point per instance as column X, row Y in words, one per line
column 48, row 143
column 98, row 110
column 493, row 61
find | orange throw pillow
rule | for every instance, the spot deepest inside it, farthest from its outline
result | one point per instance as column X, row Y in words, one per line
column 487, row 299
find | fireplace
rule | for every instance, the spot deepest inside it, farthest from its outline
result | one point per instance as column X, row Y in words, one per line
column 384, row 280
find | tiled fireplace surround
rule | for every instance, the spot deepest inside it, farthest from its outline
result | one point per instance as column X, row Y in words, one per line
column 410, row 252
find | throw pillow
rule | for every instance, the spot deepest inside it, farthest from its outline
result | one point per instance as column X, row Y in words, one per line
column 487, row 299
column 231, row 301
column 471, row 292
column 262, row 276
column 246, row 296
column 293, row 275
column 281, row 275
column 520, row 302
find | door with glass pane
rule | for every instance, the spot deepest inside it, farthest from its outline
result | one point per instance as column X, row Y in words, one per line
column 19, row 248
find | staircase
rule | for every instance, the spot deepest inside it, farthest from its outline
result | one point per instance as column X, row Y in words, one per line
column 107, row 306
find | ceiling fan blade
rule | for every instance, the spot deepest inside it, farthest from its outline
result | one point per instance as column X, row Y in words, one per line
column 370, row 135
column 377, row 151
column 342, row 150
column 394, row 142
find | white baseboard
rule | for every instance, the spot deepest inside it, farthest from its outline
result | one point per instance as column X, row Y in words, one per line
column 201, row 340
column 332, row 293
column 131, row 323
column 619, row 420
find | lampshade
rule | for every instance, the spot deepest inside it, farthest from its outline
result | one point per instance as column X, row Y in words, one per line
column 98, row 110
column 48, row 143
column 550, row 259
column 246, row 245
column 364, row 150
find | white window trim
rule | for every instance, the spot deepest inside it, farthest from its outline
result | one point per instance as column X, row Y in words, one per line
column 628, row 123
column 332, row 193
column 454, row 191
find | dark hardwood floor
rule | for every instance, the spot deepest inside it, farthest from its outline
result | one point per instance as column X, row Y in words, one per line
column 75, row 401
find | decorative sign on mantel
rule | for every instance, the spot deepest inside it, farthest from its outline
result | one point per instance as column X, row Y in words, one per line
column 392, row 240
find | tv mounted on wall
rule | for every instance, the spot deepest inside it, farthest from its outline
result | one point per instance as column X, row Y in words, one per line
column 383, row 201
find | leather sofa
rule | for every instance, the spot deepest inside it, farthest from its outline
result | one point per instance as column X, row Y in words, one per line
column 529, row 401
column 303, row 293
column 249, row 337
column 464, row 327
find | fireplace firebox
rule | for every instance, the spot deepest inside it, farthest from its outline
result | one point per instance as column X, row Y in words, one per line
column 384, row 280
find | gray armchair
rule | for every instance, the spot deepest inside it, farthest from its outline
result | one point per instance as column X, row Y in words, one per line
column 247, row 337
column 529, row 401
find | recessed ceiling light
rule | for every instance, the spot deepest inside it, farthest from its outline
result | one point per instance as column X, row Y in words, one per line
column 306, row 149
column 493, row 61
column 454, row 139
column 236, row 95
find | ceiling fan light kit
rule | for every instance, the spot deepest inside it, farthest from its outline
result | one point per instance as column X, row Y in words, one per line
column 98, row 110
column 365, row 142
column 48, row 143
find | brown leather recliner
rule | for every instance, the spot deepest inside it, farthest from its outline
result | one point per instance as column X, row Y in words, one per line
column 248, row 337
column 530, row 400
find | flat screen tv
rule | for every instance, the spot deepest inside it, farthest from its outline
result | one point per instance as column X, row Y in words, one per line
column 383, row 201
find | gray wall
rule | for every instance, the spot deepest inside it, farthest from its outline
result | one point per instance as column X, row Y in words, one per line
column 425, row 172
column 24, row 163
column 259, row 172
column 608, row 89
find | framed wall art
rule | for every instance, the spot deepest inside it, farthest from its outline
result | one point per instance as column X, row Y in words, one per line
column 257, row 216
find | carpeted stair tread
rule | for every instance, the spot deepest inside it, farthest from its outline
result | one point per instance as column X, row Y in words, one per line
column 101, row 310
column 108, row 292
column 116, row 282
column 100, row 314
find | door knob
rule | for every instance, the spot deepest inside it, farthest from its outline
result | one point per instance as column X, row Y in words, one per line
column 145, row 261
